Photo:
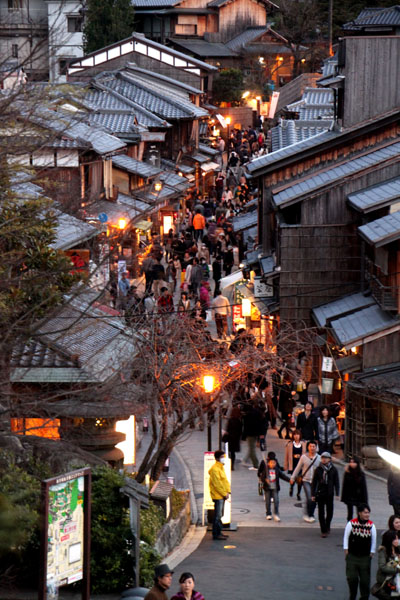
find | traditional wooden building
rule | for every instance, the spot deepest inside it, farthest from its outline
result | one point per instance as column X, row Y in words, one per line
column 329, row 216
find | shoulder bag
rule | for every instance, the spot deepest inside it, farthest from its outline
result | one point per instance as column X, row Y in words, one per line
column 299, row 478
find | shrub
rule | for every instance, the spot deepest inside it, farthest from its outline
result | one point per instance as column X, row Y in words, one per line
column 178, row 501
column 111, row 561
column 151, row 521
column 149, row 559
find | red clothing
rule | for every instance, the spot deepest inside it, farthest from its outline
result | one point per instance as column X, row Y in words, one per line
column 165, row 304
column 199, row 221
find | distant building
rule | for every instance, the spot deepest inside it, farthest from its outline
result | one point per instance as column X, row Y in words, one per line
column 41, row 36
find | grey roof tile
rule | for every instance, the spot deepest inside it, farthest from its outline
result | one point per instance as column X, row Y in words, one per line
column 382, row 231
column 290, row 132
column 113, row 210
column 376, row 196
column 148, row 75
column 137, row 205
column 335, row 173
column 96, row 345
column 245, row 221
column 71, row 232
column 248, row 35
column 162, row 104
column 326, row 312
column 116, row 123
column 155, row 3
column 372, row 17
column 137, row 167
column 355, row 327
column 203, row 48
column 274, row 157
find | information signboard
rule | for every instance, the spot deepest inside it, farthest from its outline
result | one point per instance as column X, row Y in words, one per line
column 327, row 364
column 66, row 530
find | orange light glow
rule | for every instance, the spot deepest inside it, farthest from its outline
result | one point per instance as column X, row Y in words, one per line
column 121, row 223
column 47, row 428
column 208, row 383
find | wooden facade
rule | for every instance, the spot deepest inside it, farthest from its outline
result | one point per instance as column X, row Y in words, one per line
column 378, row 84
column 315, row 238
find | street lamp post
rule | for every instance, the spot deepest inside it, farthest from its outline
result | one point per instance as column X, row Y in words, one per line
column 209, row 385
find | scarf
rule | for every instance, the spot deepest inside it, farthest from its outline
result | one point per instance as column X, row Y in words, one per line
column 325, row 472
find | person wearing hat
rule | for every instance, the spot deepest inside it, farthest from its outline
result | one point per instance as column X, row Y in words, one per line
column 269, row 473
column 162, row 582
column 219, row 492
column 325, row 484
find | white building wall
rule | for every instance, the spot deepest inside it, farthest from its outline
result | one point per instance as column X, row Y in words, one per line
column 63, row 44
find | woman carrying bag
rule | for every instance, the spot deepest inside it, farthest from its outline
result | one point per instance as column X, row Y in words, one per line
column 387, row 577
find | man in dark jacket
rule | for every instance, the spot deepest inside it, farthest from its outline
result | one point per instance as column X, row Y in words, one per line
column 252, row 428
column 324, row 485
column 162, row 582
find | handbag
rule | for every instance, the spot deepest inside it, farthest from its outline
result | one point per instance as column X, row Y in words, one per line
column 299, row 480
column 260, row 488
column 382, row 590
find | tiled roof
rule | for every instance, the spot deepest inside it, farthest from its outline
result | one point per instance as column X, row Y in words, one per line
column 382, row 231
column 208, row 150
column 71, row 231
column 376, row 196
column 248, row 35
column 137, row 205
column 169, row 164
column 117, row 123
column 161, row 103
column 334, row 174
column 250, row 234
column 69, row 127
column 342, row 306
column 113, row 210
column 89, row 347
column 203, row 48
column 245, row 221
column 293, row 90
column 354, row 328
column 148, row 75
column 290, row 132
column 137, row 167
column 375, row 17
column 274, row 157
column 106, row 99
column 154, row 3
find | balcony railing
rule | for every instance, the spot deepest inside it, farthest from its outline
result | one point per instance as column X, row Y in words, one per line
column 385, row 295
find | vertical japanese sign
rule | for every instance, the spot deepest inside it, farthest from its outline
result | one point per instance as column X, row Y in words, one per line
column 65, row 543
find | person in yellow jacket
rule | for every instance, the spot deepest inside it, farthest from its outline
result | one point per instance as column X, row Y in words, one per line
column 219, row 491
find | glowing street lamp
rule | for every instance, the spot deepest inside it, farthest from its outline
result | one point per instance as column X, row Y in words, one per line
column 157, row 186
column 209, row 383
column 121, row 223
column 245, row 94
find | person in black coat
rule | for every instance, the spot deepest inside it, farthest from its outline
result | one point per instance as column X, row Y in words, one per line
column 324, row 485
column 393, row 485
column 234, row 431
column 307, row 423
column 286, row 405
column 252, row 428
column 354, row 486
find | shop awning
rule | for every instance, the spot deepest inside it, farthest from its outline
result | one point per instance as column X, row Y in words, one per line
column 143, row 225
column 221, row 120
column 265, row 305
column 231, row 279
column 210, row 166
column 349, row 364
